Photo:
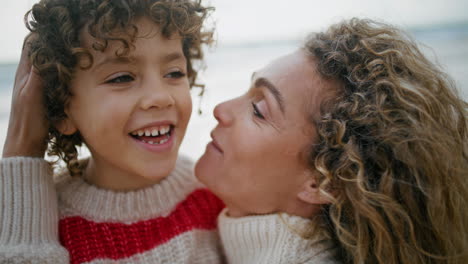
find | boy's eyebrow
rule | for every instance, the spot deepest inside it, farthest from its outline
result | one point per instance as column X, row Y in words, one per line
column 115, row 60
column 172, row 57
column 130, row 59
column 264, row 82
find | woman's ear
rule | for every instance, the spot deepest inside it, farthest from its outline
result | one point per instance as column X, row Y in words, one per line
column 310, row 193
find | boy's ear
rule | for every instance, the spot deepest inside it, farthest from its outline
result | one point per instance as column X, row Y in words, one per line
column 310, row 193
column 66, row 126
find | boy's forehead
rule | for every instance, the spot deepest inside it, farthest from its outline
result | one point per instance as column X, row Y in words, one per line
column 91, row 43
column 145, row 27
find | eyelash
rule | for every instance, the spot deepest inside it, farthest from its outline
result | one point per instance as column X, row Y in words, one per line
column 257, row 112
column 121, row 79
column 128, row 78
column 178, row 74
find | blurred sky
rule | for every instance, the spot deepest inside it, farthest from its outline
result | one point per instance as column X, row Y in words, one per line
column 240, row 21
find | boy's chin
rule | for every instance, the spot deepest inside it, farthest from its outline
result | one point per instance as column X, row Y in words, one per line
column 157, row 175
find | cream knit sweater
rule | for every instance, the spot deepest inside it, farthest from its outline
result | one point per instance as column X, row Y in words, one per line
column 271, row 239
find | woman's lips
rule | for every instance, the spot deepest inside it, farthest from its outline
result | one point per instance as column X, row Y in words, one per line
column 216, row 146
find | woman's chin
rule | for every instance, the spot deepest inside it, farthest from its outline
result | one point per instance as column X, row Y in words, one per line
column 205, row 173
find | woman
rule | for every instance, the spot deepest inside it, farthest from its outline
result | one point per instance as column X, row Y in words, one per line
column 352, row 149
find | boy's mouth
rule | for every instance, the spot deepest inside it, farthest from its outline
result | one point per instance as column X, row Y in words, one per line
column 153, row 135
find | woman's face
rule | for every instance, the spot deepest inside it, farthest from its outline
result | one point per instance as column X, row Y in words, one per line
column 255, row 162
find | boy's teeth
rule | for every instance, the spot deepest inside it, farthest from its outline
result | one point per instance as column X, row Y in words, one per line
column 158, row 131
column 164, row 129
column 156, row 143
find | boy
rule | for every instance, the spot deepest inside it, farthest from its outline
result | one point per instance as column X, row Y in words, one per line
column 116, row 76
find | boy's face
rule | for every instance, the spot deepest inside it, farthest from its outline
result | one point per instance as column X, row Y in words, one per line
column 132, row 112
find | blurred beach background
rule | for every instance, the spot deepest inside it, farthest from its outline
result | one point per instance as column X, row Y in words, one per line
column 250, row 33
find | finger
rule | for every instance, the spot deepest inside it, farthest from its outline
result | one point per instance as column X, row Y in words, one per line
column 26, row 50
column 31, row 37
column 24, row 68
column 24, row 65
column 34, row 84
column 26, row 40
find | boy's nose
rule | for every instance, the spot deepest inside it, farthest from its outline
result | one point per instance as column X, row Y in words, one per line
column 156, row 96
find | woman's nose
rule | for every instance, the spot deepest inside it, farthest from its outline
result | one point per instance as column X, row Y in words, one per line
column 223, row 113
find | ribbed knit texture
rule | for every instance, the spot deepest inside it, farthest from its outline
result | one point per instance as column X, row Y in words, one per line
column 271, row 239
column 28, row 212
column 171, row 222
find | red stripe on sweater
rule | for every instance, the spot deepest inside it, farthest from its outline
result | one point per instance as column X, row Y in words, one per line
column 86, row 240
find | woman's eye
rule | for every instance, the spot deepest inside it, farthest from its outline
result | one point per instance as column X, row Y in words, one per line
column 121, row 79
column 257, row 112
column 175, row 75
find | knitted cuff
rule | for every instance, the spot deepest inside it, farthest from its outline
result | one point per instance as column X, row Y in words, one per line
column 28, row 202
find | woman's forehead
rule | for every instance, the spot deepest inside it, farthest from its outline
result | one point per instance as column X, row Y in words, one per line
column 295, row 76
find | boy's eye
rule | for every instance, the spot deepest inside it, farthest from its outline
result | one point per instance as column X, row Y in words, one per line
column 257, row 112
column 121, row 79
column 175, row 75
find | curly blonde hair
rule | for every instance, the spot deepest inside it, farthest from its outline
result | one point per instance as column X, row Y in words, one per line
column 56, row 47
column 392, row 148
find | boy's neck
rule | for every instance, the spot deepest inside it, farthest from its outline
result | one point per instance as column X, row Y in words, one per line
column 111, row 178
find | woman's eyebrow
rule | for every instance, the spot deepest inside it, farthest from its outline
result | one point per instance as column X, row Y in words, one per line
column 264, row 82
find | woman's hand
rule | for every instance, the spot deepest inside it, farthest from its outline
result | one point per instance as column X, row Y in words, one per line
column 28, row 127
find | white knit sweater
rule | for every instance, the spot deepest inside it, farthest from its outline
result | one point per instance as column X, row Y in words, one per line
column 271, row 239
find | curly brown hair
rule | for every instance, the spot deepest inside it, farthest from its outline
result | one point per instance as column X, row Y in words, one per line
column 392, row 150
column 56, row 48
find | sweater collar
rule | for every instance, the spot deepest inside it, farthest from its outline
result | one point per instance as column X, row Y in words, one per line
column 274, row 238
column 79, row 198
